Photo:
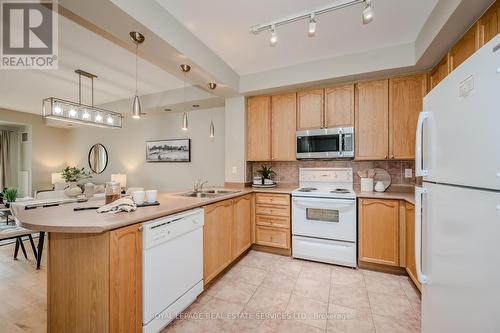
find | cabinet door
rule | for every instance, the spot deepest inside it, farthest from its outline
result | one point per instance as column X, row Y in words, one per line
column 310, row 109
column 465, row 47
column 242, row 225
column 283, row 126
column 439, row 72
column 411, row 267
column 259, row 128
column 372, row 120
column 217, row 238
column 406, row 96
column 125, row 276
column 339, row 106
column 489, row 24
column 379, row 231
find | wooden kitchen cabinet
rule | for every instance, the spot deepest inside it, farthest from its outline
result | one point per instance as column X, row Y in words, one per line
column 439, row 72
column 372, row 120
column 310, row 106
column 259, row 128
column 378, row 231
column 405, row 103
column 241, row 238
column 489, row 23
column 217, row 233
column 283, row 125
column 410, row 244
column 125, row 272
column 465, row 47
column 272, row 219
column 339, row 106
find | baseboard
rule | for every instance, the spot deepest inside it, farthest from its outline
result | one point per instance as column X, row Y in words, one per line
column 382, row 268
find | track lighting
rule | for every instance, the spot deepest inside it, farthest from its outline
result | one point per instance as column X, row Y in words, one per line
column 185, row 68
column 368, row 12
column 212, row 85
column 312, row 26
column 185, row 122
column 138, row 39
column 368, row 16
column 274, row 36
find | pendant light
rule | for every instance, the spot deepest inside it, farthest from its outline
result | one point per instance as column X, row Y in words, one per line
column 185, row 69
column 138, row 39
column 212, row 86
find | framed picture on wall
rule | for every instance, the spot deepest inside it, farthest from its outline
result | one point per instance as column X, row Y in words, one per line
column 172, row 150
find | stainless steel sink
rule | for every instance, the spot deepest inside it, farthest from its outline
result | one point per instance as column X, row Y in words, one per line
column 208, row 193
column 221, row 192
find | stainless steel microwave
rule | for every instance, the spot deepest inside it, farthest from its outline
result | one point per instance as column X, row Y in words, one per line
column 325, row 143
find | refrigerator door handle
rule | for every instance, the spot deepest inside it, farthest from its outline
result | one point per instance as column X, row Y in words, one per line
column 419, row 171
column 419, row 191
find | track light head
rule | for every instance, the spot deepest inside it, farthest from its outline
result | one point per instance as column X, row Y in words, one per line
column 274, row 36
column 368, row 12
column 212, row 85
column 312, row 26
column 185, row 68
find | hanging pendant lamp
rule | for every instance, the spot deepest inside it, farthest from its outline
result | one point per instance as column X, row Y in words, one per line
column 185, row 69
column 212, row 130
column 138, row 39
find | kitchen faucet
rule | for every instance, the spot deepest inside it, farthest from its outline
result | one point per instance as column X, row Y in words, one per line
column 198, row 185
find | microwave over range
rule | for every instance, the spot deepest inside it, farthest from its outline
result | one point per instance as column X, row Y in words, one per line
column 325, row 143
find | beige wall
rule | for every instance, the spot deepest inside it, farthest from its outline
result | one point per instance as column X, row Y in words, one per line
column 49, row 146
column 126, row 149
column 235, row 140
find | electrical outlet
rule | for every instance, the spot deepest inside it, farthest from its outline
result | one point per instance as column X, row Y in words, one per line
column 408, row 173
column 234, row 170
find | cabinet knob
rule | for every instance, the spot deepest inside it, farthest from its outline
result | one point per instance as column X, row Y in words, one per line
column 385, row 157
column 392, row 156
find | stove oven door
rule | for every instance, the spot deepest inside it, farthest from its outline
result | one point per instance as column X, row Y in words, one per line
column 325, row 218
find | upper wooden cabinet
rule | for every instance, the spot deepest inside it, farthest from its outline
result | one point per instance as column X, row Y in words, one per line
column 339, row 106
column 405, row 102
column 489, row 24
column 439, row 72
column 378, row 229
column 310, row 113
column 283, row 124
column 241, row 238
column 465, row 47
column 372, row 120
column 259, row 128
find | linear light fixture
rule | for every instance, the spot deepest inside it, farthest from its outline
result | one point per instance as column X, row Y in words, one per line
column 367, row 16
column 79, row 113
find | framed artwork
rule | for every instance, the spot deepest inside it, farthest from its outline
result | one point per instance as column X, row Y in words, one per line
column 172, row 150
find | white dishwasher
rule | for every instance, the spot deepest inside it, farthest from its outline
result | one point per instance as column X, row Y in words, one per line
column 172, row 267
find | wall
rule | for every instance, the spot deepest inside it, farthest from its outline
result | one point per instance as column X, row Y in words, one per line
column 47, row 149
column 126, row 149
column 287, row 173
column 235, row 140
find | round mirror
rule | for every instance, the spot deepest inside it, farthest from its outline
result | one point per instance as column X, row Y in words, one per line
column 98, row 158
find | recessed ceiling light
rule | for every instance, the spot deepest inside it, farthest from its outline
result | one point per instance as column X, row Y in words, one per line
column 212, row 85
column 168, row 110
column 196, row 105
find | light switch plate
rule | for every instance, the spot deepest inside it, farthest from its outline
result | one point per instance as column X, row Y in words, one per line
column 234, row 170
column 408, row 173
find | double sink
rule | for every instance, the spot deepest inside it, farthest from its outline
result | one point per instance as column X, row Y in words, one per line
column 208, row 193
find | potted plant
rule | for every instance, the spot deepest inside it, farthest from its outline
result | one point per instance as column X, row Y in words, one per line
column 72, row 175
column 9, row 196
column 265, row 172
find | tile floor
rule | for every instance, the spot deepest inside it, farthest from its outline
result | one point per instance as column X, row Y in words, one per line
column 271, row 293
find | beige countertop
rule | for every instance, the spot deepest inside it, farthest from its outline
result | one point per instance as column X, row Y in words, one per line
column 407, row 196
column 64, row 219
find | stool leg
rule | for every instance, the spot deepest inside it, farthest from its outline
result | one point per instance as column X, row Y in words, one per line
column 33, row 246
column 40, row 249
column 23, row 248
column 16, row 250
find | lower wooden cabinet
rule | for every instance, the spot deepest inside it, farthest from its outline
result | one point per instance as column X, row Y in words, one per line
column 272, row 220
column 410, row 243
column 378, row 231
column 227, row 233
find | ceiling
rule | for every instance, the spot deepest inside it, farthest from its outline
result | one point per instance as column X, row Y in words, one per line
column 79, row 48
column 223, row 26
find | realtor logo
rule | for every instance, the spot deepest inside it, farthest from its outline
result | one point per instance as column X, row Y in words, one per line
column 29, row 35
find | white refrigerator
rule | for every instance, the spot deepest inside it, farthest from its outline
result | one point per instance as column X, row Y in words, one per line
column 457, row 222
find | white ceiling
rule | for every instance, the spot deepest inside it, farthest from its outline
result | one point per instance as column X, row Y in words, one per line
column 79, row 48
column 223, row 26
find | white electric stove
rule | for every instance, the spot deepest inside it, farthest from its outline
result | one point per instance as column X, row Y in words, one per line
column 324, row 216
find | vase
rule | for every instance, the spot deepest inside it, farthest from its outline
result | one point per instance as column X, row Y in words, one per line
column 73, row 190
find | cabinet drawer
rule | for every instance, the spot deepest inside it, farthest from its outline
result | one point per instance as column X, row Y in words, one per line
column 273, row 221
column 273, row 237
column 274, row 210
column 271, row 198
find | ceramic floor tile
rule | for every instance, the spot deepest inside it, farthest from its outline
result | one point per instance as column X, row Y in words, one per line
column 287, row 266
column 308, row 311
column 279, row 281
column 237, row 292
column 354, row 297
column 395, row 325
column 292, row 326
column 391, row 305
column 260, row 260
column 343, row 319
column 251, row 322
column 350, row 277
column 316, row 271
column 384, row 284
column 246, row 274
column 314, row 289
column 268, row 300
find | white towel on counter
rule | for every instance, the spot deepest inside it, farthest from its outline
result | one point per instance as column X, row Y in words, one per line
column 124, row 204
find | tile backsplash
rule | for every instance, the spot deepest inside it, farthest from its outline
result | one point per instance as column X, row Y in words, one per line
column 287, row 173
